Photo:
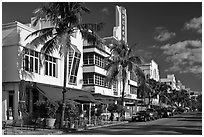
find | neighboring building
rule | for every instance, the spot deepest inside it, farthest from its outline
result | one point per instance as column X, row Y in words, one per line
column 170, row 80
column 120, row 31
column 151, row 69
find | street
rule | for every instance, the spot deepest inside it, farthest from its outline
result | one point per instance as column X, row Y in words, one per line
column 189, row 123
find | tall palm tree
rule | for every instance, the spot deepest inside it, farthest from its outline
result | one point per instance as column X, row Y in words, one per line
column 121, row 62
column 163, row 92
column 66, row 19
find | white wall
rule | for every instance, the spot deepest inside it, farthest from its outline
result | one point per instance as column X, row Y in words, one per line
column 12, row 57
column 87, row 69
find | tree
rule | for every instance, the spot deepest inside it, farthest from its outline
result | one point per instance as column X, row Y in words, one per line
column 163, row 93
column 121, row 62
column 199, row 102
column 66, row 19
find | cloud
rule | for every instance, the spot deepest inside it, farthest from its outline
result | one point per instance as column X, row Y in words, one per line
column 186, row 56
column 194, row 24
column 162, row 34
column 105, row 11
column 146, row 55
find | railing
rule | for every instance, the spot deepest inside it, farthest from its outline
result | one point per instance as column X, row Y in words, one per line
column 83, row 123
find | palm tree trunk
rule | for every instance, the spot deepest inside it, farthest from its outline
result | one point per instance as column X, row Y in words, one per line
column 122, row 99
column 123, row 92
column 64, row 88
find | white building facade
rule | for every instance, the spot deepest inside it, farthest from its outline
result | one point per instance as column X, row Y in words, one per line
column 151, row 69
column 170, row 80
column 22, row 62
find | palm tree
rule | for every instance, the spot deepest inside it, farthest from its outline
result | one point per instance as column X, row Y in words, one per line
column 121, row 62
column 152, row 85
column 163, row 93
column 66, row 19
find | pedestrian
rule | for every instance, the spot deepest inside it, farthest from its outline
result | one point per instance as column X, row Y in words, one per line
column 112, row 116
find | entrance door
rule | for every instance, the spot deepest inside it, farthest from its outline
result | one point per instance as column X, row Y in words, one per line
column 10, row 104
column 35, row 99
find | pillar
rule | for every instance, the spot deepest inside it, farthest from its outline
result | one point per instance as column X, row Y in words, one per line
column 89, row 113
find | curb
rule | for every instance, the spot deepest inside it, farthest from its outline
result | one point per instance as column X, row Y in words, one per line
column 124, row 122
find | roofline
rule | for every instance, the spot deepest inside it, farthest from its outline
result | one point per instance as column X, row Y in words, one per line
column 17, row 24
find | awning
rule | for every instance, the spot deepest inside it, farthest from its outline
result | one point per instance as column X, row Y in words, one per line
column 104, row 98
column 55, row 93
column 130, row 104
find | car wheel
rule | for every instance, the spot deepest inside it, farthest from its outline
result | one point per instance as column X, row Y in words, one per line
column 152, row 118
column 148, row 119
column 145, row 119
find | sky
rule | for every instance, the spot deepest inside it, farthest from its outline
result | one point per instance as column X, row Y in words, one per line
column 170, row 33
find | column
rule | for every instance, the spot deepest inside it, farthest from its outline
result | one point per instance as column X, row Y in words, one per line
column 89, row 113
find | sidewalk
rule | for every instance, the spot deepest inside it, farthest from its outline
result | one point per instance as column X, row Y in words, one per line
column 38, row 131
column 31, row 131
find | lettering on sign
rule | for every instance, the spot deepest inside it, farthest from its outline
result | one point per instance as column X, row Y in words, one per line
column 123, row 25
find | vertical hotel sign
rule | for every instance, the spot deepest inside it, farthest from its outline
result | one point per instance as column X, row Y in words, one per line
column 123, row 24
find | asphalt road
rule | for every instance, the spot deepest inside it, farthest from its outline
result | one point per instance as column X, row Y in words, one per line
column 183, row 124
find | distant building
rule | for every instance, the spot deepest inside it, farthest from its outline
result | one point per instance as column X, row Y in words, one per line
column 179, row 85
column 170, row 80
column 151, row 69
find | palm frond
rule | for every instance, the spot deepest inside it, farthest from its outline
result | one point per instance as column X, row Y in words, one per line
column 85, row 9
column 112, row 74
column 91, row 37
column 140, row 75
column 47, row 31
column 42, row 38
column 50, row 46
column 94, row 27
column 137, row 60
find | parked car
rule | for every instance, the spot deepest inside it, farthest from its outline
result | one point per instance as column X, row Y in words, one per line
column 160, row 112
column 178, row 110
column 153, row 113
column 170, row 111
column 141, row 116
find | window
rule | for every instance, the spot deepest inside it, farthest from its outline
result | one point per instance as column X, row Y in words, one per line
column 88, row 79
column 31, row 60
column 50, row 66
column 99, row 80
column 133, row 90
column 95, row 79
column 115, row 88
column 73, row 66
column 99, row 61
column 133, row 77
column 71, row 53
column 88, row 59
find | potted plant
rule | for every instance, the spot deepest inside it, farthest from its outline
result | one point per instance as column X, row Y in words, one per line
column 72, row 112
column 47, row 109
column 115, row 108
